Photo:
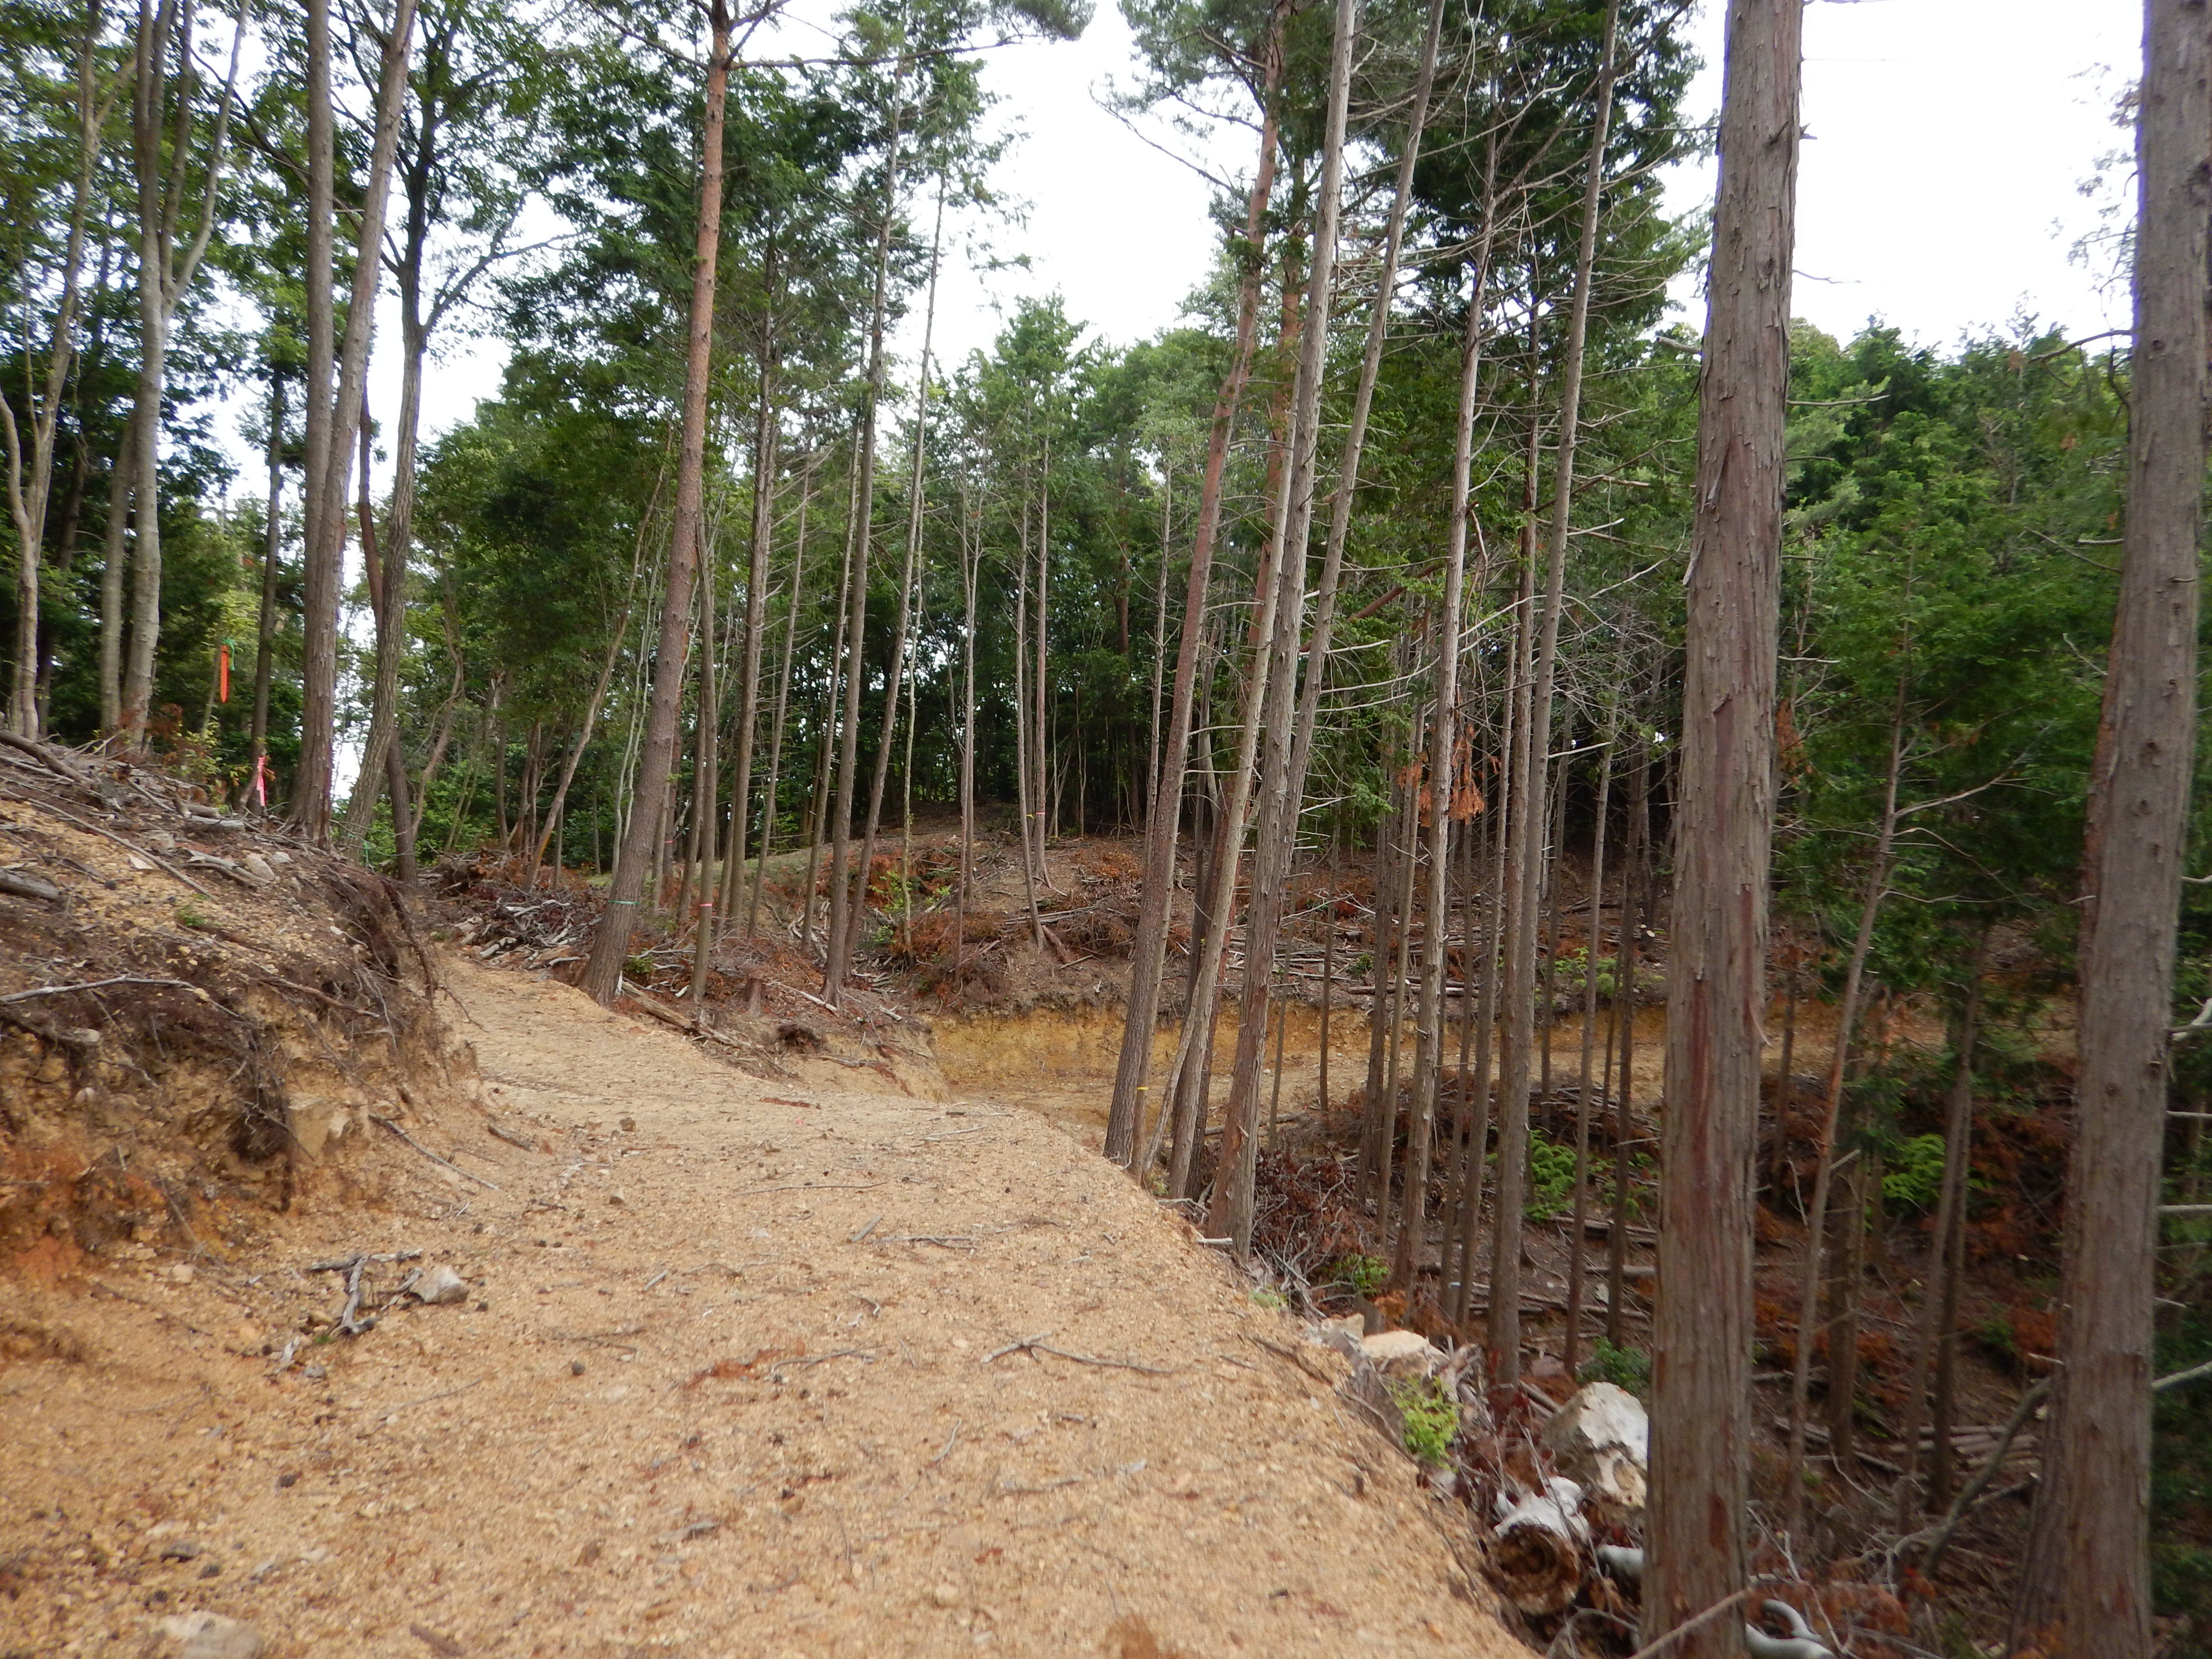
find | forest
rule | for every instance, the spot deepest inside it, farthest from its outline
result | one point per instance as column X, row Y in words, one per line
column 1444, row 635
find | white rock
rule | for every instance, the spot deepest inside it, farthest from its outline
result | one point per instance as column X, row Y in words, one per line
column 1400, row 1353
column 211, row 1635
column 439, row 1285
column 1602, row 1438
column 260, row 866
column 1341, row 1334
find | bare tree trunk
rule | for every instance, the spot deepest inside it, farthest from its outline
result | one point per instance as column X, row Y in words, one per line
column 115, row 557
column 843, row 905
column 603, row 971
column 825, row 741
column 1475, row 1082
column 894, row 680
column 1525, row 830
column 28, row 496
column 272, row 545
column 1513, row 1142
column 1148, row 954
column 326, row 496
column 1635, row 887
column 163, row 276
column 1040, row 785
column 782, row 704
column 1950, row 1202
column 1382, row 942
column 756, row 619
column 1701, row 1435
column 706, row 785
column 2086, row 1588
column 1428, row 1063
column 1576, row 1245
column 1281, row 788
column 382, row 582
column 1847, row 1015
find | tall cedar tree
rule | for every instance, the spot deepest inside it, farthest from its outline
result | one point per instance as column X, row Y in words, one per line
column 1723, row 824
column 2087, row 1586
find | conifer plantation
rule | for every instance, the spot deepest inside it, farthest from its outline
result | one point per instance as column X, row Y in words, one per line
column 1612, row 874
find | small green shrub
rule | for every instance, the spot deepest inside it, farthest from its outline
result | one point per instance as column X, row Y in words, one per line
column 1266, row 1296
column 1571, row 971
column 1913, row 1172
column 1624, row 1368
column 189, row 915
column 1551, row 1178
column 1363, row 1275
column 638, row 968
column 1428, row 1417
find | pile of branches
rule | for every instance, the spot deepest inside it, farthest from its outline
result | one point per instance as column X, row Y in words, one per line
column 1306, row 1215
column 551, row 923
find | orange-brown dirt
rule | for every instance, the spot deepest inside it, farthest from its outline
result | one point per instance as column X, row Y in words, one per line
column 735, row 1375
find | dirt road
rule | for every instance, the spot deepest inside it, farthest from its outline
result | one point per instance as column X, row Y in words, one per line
column 737, row 1375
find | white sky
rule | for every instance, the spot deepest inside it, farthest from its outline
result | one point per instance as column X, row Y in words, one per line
column 1947, row 142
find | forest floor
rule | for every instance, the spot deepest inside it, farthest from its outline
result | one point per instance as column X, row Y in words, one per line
column 740, row 1371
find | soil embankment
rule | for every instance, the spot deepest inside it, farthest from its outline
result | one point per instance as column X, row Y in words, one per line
column 745, row 1367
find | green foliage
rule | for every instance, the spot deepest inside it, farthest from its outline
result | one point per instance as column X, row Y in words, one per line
column 1912, row 1171
column 189, row 915
column 1267, row 1297
column 1363, row 1275
column 1428, row 1416
column 1628, row 1368
column 1571, row 972
column 1551, row 1178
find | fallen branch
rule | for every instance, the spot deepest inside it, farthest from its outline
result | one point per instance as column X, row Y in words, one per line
column 46, row 757
column 441, row 1163
column 1037, row 1343
column 128, row 847
column 809, row 1361
column 119, row 979
column 29, row 887
column 1990, row 1465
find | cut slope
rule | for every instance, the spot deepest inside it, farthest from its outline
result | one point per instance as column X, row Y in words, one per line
column 735, row 1377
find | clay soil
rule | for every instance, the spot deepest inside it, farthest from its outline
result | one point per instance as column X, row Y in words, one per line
column 736, row 1374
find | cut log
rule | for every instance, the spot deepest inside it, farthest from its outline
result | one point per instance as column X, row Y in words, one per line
column 1541, row 1554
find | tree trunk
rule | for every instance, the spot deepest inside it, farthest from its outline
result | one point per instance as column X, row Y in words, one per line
column 1701, row 1437
column 28, row 496
column 706, row 784
column 1635, row 886
column 383, row 582
column 1513, row 1142
column 114, row 559
column 782, row 702
column 843, row 905
column 1816, row 1215
column 326, row 501
column 2086, row 1587
column 1576, row 1233
column 894, row 681
column 603, row 969
column 265, row 633
column 1950, row 1202
column 1281, row 789
column 1148, row 954
column 756, row 619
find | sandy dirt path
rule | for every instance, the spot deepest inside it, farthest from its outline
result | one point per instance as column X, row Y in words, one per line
column 732, row 1378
